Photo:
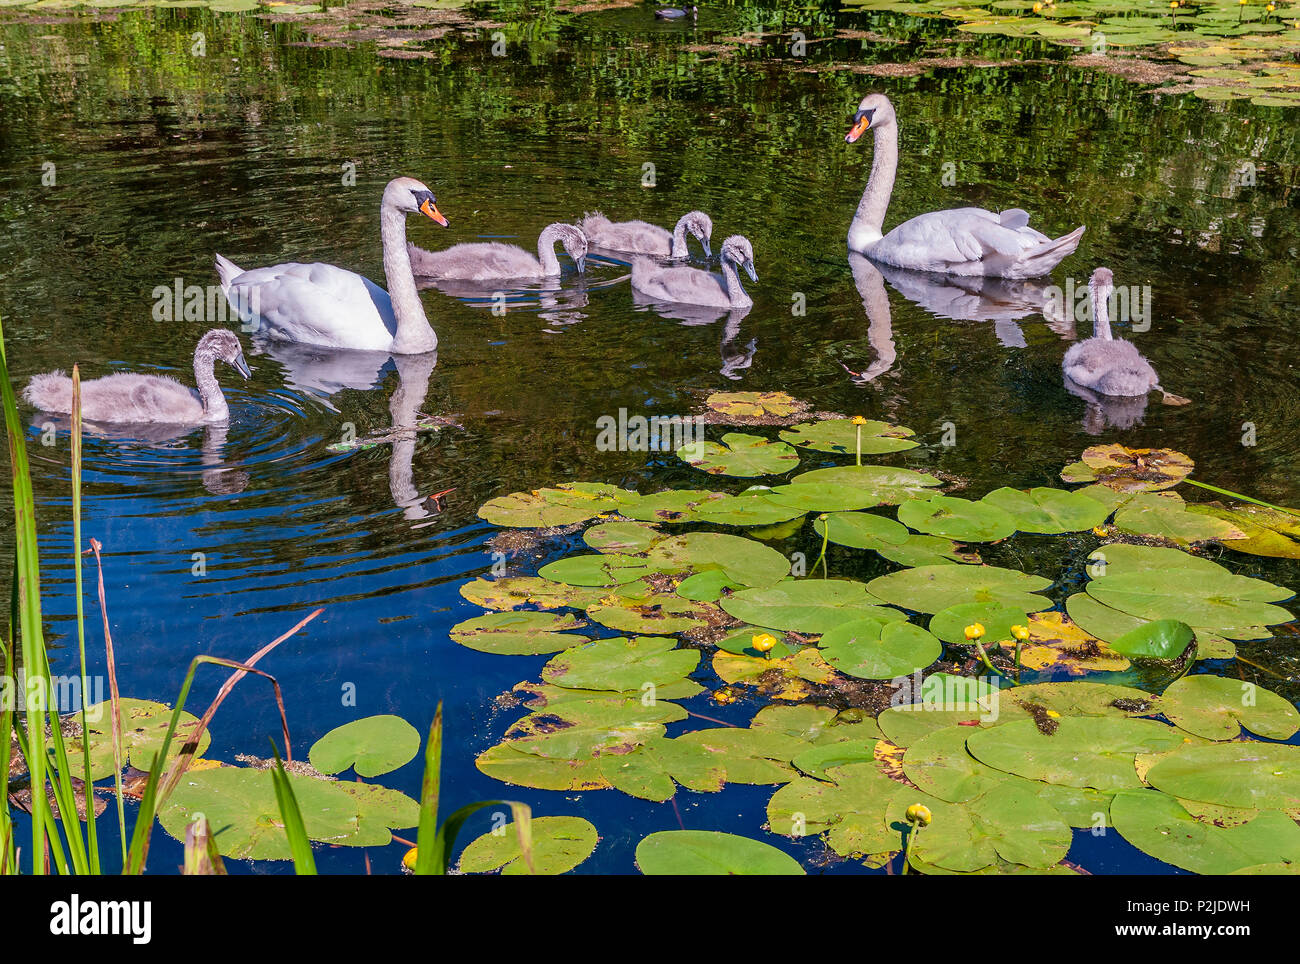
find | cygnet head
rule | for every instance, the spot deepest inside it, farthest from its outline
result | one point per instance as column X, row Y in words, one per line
column 1102, row 279
column 739, row 251
column 219, row 343
column 700, row 225
column 412, row 196
column 574, row 241
column 874, row 111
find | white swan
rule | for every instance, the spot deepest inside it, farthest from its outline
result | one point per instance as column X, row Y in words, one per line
column 494, row 261
column 642, row 237
column 694, row 286
column 133, row 399
column 1106, row 365
column 320, row 304
column 963, row 241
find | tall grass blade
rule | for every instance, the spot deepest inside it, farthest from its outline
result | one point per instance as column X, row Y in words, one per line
column 202, row 859
column 304, row 863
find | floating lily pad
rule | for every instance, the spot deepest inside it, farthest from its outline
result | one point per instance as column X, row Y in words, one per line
column 559, row 845
column 852, row 808
column 1160, row 639
column 752, row 509
column 371, row 746
column 886, row 485
column 861, row 530
column 929, row 589
column 1268, row 532
column 620, row 664
column 1216, row 709
column 563, row 505
column 840, row 435
column 950, row 624
column 680, row 505
column 740, row 455
column 1130, row 470
column 958, row 519
column 708, row 852
column 940, row 765
column 821, row 496
column 144, row 725
column 807, row 605
column 1219, row 601
column 519, row 633
column 653, row 770
column 1048, row 510
column 754, row 755
column 744, row 561
column 622, row 537
column 1164, row 514
column 509, row 765
column 1158, row 825
column 515, row 591
column 869, row 649
column 755, row 405
column 1095, row 752
column 1262, row 776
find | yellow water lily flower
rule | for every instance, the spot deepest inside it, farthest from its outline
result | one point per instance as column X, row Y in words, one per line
column 408, row 859
column 1100, row 531
column 1020, row 632
column 763, row 642
column 858, row 420
column 919, row 813
column 974, row 631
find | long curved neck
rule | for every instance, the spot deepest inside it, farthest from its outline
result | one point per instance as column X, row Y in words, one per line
column 880, row 330
column 414, row 334
column 1100, row 295
column 546, row 252
column 412, row 389
column 679, row 249
column 870, row 219
column 214, row 402
column 731, row 281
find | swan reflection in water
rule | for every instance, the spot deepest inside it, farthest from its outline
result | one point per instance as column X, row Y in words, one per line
column 325, row 372
column 737, row 355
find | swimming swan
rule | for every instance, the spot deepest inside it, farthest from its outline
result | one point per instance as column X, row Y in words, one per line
column 641, row 237
column 694, row 286
column 963, row 241
column 130, row 398
column 1110, row 366
column 494, row 261
column 320, row 304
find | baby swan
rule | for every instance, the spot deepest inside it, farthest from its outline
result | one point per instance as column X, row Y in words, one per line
column 493, row 261
column 641, row 237
column 132, row 399
column 1111, row 366
column 693, row 286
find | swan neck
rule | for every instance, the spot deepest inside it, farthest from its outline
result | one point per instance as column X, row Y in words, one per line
column 414, row 334
column 679, row 249
column 546, row 252
column 1100, row 312
column 214, row 402
column 869, row 221
column 731, row 281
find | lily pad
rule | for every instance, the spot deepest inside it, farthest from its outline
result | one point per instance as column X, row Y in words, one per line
column 144, row 725
column 559, row 845
column 929, row 589
column 807, row 605
column 709, row 852
column 950, row 624
column 755, row 405
column 1262, row 776
column 869, row 649
column 746, row 456
column 958, row 519
column 1217, row 708
column 1130, row 470
column 1048, row 510
column 519, row 633
column 371, row 746
column 620, row 664
column 841, row 436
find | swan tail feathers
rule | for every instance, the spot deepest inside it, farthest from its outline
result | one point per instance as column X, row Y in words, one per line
column 1048, row 255
column 228, row 271
column 51, row 392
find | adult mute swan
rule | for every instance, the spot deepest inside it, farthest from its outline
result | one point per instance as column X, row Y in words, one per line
column 962, row 241
column 641, row 237
column 694, row 286
column 494, row 261
column 320, row 304
column 1106, row 365
column 129, row 398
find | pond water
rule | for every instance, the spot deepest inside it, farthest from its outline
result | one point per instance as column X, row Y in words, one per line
column 162, row 159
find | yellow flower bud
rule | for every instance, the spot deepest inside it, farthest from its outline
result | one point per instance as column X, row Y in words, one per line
column 408, row 859
column 1053, row 714
column 919, row 813
column 764, row 642
column 974, row 631
column 858, row 420
column 1020, row 632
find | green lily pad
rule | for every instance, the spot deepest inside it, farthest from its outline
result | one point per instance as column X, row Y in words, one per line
column 540, row 735
column 950, row 624
column 850, row 803
column 751, row 405
column 603, row 569
column 1221, row 602
column 509, row 765
column 921, row 550
column 1216, row 709
column 958, row 519
column 747, row 509
column 620, row 664
column 515, row 591
column 1048, row 510
column 752, row 755
column 940, row 765
column 1160, row 639
column 1164, row 514
column 707, row 586
column 929, row 589
column 1268, row 532
column 563, row 505
column 741, row 642
column 622, row 537
column 652, row 615
column 653, row 770
column 679, row 505
column 519, row 633
column 841, row 436
column 746, row 456
column 885, row 484
column 144, row 725
column 371, row 746
column 1095, row 752
column 1261, row 776
column 807, row 605
column 744, row 561
column 861, row 530
column 709, row 852
column 869, row 649
column 559, row 845
column 1158, row 825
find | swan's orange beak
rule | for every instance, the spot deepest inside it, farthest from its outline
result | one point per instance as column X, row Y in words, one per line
column 860, row 127
column 430, row 210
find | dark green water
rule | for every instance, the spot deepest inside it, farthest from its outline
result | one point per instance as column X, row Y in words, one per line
column 162, row 159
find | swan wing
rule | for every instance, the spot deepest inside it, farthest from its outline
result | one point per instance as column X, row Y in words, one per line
column 317, row 304
column 973, row 241
column 476, row 261
column 681, row 284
